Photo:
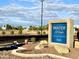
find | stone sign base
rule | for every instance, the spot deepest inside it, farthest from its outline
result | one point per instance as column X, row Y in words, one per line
column 76, row 44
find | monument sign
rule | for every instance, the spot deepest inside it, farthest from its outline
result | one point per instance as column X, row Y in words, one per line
column 61, row 32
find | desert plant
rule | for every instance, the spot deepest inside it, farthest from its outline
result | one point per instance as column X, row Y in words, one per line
column 20, row 32
column 44, row 32
column 38, row 32
column 33, row 39
column 12, row 32
column 3, row 32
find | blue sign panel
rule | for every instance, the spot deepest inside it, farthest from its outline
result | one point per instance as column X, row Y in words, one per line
column 59, row 32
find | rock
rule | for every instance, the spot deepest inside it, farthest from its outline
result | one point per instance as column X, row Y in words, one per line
column 61, row 49
column 21, row 48
column 39, row 46
column 43, row 42
column 26, row 41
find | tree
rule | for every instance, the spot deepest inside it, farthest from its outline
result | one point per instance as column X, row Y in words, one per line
column 33, row 28
column 46, row 27
column 20, row 28
column 8, row 26
column 38, row 28
column 30, row 28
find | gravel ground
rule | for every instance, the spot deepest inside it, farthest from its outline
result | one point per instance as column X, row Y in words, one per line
column 8, row 55
column 74, row 52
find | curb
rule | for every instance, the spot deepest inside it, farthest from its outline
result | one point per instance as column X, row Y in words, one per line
column 14, row 52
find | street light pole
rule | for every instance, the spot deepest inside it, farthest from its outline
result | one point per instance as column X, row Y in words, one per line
column 42, row 15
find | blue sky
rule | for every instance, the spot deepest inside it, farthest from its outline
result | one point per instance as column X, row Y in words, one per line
column 27, row 12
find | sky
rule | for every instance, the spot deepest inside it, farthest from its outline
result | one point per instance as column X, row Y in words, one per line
column 28, row 12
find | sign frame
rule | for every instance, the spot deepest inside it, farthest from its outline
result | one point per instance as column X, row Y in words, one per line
column 70, row 32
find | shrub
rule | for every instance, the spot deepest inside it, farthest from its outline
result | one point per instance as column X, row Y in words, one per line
column 12, row 32
column 3, row 32
column 38, row 32
column 44, row 32
column 20, row 31
column 33, row 39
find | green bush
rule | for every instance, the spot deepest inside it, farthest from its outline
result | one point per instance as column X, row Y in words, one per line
column 33, row 39
column 38, row 32
column 44, row 32
column 12, row 32
column 3, row 32
column 20, row 31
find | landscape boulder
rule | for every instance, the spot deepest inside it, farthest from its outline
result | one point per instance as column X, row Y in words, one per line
column 39, row 46
column 61, row 49
column 43, row 42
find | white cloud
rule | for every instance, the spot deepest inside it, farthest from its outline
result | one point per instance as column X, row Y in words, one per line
column 64, row 7
column 52, row 9
column 54, row 1
column 24, row 13
column 28, row 0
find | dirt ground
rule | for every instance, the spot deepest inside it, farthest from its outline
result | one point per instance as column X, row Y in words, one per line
column 74, row 52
